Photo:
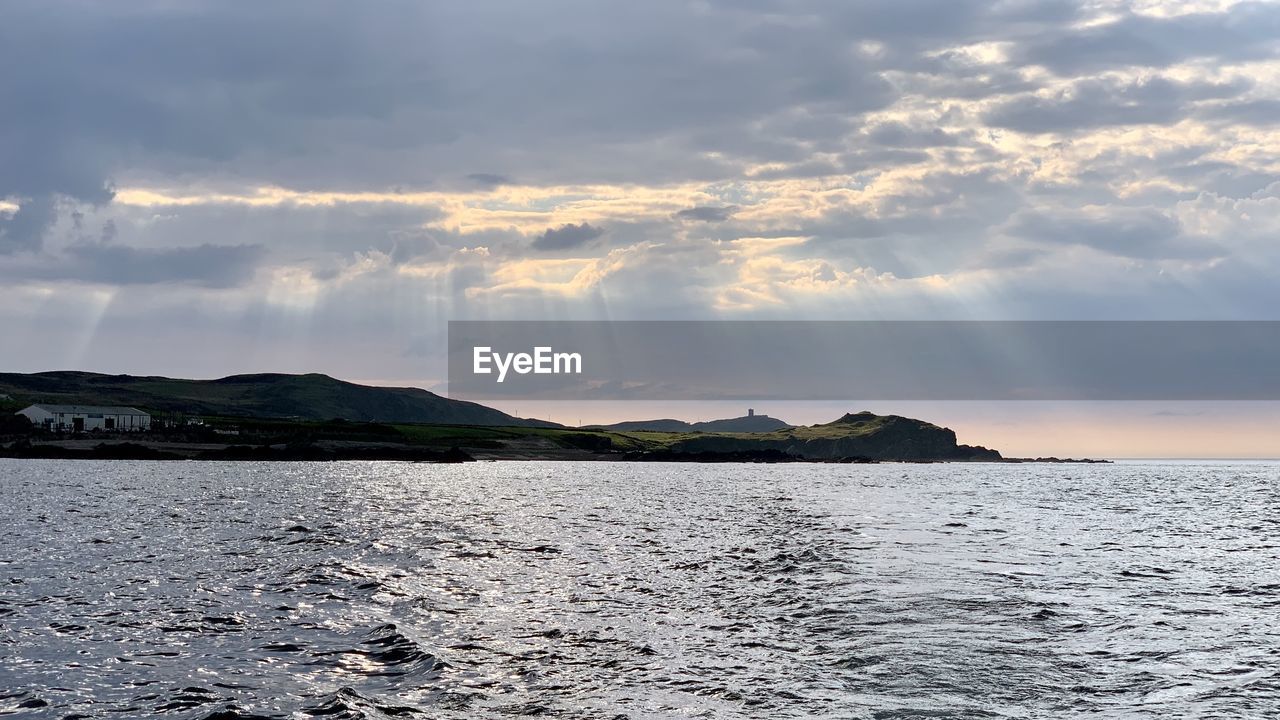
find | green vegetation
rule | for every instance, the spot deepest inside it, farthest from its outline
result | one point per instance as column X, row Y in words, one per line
column 746, row 423
column 861, row 425
column 300, row 397
column 270, row 431
column 565, row 437
column 860, row 435
column 316, row 415
column 853, row 425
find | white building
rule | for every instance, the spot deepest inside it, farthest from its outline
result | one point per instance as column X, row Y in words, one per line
column 79, row 418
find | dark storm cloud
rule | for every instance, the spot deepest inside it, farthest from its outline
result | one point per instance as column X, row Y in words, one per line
column 706, row 213
column 1096, row 103
column 1245, row 31
column 567, row 236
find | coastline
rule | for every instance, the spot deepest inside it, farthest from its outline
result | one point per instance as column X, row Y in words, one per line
column 144, row 449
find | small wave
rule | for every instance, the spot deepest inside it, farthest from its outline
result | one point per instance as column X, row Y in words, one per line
column 347, row 704
column 186, row 699
column 387, row 651
column 13, row 703
column 233, row 712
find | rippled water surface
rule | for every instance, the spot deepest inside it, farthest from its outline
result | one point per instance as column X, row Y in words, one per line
column 372, row 590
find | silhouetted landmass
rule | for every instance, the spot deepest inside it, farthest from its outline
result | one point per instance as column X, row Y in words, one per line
column 863, row 437
column 266, row 395
column 864, row 434
column 663, row 425
column 744, row 424
column 315, row 417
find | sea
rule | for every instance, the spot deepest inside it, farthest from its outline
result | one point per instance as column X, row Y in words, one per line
column 215, row 591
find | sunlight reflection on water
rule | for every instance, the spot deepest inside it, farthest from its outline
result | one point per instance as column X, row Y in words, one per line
column 222, row 590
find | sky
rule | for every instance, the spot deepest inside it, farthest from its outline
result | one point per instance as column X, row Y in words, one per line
column 206, row 188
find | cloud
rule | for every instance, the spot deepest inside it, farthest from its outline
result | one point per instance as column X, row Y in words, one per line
column 567, row 237
column 489, row 180
column 1260, row 112
column 211, row 266
column 282, row 93
column 1131, row 233
column 1244, row 31
column 706, row 213
column 1222, row 178
column 23, row 230
column 1097, row 103
column 898, row 135
column 377, row 168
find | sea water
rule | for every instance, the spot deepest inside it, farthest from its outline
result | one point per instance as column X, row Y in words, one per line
column 638, row 590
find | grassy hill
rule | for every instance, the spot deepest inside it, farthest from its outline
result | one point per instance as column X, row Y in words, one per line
column 744, row 424
column 267, row 395
column 864, row 434
column 306, row 410
column 855, row 435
